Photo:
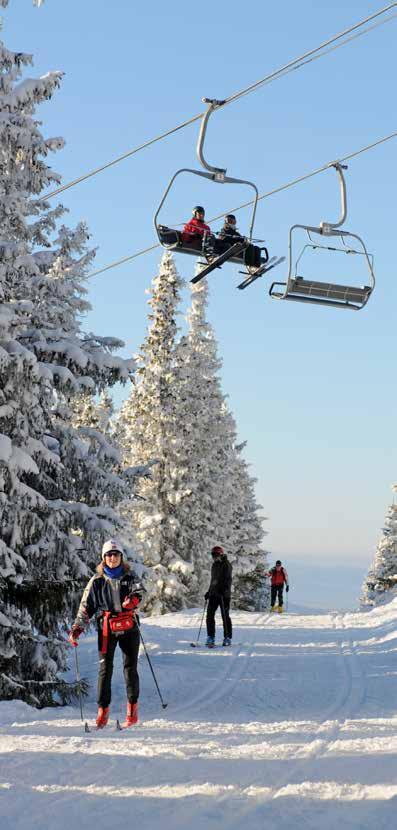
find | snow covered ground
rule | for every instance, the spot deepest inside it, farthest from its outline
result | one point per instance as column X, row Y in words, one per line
column 294, row 727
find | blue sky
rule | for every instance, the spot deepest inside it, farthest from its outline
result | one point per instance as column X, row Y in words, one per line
column 313, row 389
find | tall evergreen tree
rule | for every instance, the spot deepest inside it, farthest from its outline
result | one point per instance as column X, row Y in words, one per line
column 59, row 483
column 380, row 584
column 251, row 589
column 149, row 430
column 218, row 506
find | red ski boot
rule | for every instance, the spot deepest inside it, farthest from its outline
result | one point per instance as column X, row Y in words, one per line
column 102, row 717
column 132, row 715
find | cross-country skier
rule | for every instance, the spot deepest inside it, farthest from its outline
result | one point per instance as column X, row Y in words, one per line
column 218, row 595
column 113, row 595
column 279, row 578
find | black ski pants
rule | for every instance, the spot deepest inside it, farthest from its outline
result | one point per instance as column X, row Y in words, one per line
column 129, row 644
column 251, row 256
column 277, row 591
column 214, row 603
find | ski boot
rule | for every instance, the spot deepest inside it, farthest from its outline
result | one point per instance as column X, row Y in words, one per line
column 280, row 609
column 210, row 642
column 227, row 641
column 102, row 716
column 132, row 715
column 273, row 608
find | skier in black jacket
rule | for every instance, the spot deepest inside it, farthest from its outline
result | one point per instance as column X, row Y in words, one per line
column 112, row 595
column 229, row 235
column 218, row 594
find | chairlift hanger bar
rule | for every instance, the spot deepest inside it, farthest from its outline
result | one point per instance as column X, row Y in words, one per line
column 296, row 63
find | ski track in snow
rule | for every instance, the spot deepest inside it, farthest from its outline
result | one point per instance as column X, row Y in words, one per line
column 295, row 725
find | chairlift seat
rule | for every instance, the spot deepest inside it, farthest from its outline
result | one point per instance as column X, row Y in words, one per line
column 171, row 238
column 322, row 293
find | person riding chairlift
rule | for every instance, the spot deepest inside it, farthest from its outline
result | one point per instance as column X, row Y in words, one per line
column 195, row 232
column 229, row 235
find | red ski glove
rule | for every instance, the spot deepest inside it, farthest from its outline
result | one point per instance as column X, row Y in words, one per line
column 74, row 635
column 131, row 602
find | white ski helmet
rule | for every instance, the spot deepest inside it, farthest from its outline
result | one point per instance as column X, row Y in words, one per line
column 110, row 545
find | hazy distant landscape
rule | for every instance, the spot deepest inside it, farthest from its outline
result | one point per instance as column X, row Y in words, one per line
column 314, row 585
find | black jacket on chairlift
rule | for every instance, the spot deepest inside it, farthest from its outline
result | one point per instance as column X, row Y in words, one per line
column 230, row 234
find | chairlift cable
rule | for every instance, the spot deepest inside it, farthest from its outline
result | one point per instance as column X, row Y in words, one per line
column 289, row 67
column 307, row 175
column 246, row 204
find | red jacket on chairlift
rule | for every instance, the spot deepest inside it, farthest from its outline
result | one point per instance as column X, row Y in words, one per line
column 193, row 229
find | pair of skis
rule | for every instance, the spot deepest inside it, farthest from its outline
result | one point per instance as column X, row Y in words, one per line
column 117, row 728
column 213, row 645
column 234, row 251
column 271, row 263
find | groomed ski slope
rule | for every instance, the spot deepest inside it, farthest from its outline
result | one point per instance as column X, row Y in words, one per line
column 294, row 727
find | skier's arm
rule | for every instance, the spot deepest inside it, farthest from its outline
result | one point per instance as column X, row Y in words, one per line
column 134, row 597
column 286, row 580
column 87, row 607
column 225, row 576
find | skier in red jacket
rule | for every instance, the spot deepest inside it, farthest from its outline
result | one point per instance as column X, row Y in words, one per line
column 195, row 232
column 279, row 578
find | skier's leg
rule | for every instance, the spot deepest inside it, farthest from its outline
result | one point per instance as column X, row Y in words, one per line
column 212, row 606
column 129, row 644
column 273, row 594
column 105, row 670
column 227, row 623
column 280, row 595
column 257, row 256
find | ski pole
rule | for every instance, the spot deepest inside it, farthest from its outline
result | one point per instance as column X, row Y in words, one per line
column 193, row 645
column 78, row 678
column 164, row 705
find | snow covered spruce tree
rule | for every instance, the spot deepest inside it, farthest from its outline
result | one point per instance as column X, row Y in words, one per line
column 380, row 584
column 218, row 504
column 58, row 484
column 149, row 430
column 251, row 589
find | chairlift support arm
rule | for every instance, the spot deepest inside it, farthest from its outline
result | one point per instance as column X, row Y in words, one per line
column 327, row 228
column 219, row 173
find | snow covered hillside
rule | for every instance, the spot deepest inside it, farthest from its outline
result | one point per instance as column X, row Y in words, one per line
column 294, row 727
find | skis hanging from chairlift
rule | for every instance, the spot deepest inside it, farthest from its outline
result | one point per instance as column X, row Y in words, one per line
column 318, row 292
column 170, row 238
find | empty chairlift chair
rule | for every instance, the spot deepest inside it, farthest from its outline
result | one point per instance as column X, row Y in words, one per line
column 338, row 295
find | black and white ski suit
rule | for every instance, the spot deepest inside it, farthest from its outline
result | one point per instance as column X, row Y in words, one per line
column 229, row 235
column 218, row 595
column 105, row 594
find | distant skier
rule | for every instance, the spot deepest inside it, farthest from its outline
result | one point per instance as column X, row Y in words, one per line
column 218, row 595
column 113, row 594
column 279, row 578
